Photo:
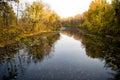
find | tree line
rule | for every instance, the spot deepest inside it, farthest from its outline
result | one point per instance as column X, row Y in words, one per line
column 33, row 19
column 102, row 18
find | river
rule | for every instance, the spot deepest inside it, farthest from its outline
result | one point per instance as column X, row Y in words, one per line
column 60, row 56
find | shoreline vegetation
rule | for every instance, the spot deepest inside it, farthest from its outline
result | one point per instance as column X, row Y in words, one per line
column 101, row 19
column 85, row 33
column 37, row 18
column 17, row 39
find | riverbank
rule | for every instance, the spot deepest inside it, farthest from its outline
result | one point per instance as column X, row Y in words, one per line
column 87, row 33
column 22, row 36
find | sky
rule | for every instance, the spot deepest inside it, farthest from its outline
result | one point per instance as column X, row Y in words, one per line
column 67, row 8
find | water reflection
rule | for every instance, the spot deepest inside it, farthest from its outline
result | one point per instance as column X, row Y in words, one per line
column 38, row 47
column 15, row 58
column 104, row 48
column 66, row 56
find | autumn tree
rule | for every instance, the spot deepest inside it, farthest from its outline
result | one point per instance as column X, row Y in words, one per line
column 8, row 28
column 116, row 5
column 41, row 17
column 7, row 15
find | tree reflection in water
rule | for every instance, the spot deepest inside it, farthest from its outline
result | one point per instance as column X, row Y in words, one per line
column 15, row 58
column 103, row 48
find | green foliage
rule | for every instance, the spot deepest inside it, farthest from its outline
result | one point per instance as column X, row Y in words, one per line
column 101, row 18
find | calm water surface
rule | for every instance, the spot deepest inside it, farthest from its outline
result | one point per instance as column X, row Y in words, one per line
column 58, row 57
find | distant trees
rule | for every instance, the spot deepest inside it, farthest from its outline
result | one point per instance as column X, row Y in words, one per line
column 101, row 18
column 73, row 21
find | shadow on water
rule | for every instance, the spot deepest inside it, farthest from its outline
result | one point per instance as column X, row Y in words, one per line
column 103, row 48
column 15, row 58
